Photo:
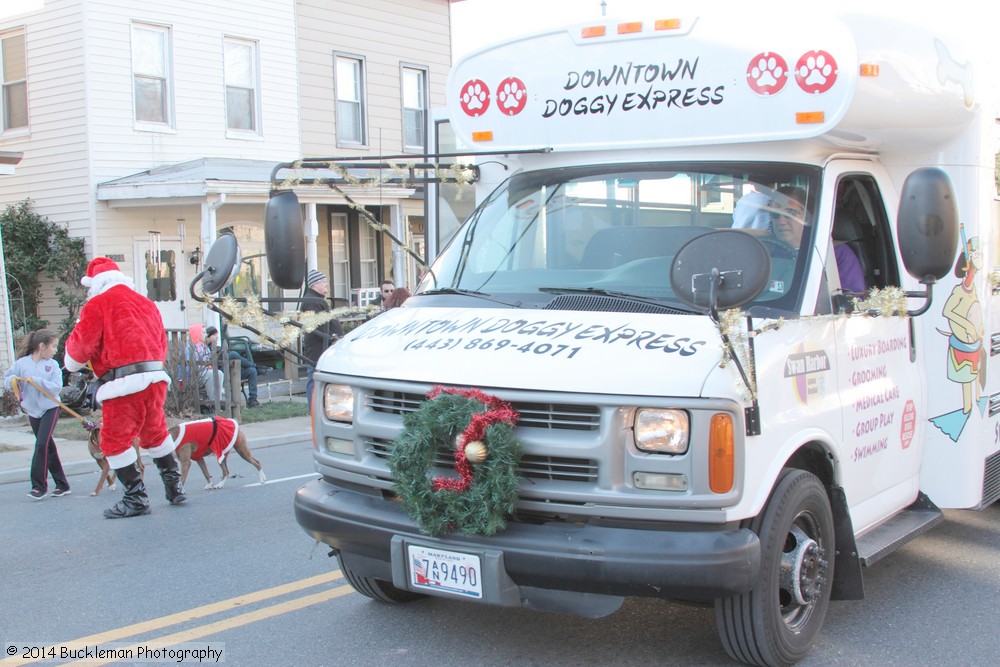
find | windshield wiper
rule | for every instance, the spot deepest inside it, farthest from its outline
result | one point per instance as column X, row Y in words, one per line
column 631, row 298
column 467, row 292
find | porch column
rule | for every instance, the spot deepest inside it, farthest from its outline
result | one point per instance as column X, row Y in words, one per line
column 398, row 226
column 312, row 232
column 209, row 232
column 7, row 358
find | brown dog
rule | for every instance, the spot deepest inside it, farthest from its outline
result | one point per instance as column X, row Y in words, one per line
column 107, row 474
column 217, row 436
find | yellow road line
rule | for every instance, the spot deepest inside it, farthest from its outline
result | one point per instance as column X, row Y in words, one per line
column 196, row 613
column 232, row 622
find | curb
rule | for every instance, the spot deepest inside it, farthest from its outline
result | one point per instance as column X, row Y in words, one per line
column 82, row 467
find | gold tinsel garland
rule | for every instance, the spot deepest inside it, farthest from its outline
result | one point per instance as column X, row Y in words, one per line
column 994, row 281
column 888, row 302
column 460, row 173
column 279, row 329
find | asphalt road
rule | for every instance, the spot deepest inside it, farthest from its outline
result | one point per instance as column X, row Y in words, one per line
column 232, row 570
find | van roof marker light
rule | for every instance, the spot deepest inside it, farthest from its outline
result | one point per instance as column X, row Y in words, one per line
column 667, row 24
column 592, row 31
column 628, row 28
column 869, row 69
column 485, row 135
column 804, row 117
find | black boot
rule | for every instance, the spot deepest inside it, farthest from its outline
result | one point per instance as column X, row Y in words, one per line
column 135, row 502
column 171, row 477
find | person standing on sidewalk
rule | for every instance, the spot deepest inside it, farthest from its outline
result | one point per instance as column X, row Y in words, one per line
column 120, row 333
column 315, row 342
column 35, row 362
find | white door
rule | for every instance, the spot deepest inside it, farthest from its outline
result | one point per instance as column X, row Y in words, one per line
column 882, row 387
column 879, row 374
column 164, row 279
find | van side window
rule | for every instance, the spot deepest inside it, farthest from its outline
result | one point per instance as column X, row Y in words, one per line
column 861, row 232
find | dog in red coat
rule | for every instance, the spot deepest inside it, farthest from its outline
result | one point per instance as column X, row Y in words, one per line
column 218, row 436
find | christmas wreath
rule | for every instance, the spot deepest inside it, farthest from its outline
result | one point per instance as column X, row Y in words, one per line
column 481, row 429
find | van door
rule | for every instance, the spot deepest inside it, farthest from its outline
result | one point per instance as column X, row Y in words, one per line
column 881, row 383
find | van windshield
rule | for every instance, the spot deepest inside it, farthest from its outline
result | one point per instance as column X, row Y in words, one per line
column 616, row 229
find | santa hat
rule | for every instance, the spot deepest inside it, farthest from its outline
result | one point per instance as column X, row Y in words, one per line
column 96, row 266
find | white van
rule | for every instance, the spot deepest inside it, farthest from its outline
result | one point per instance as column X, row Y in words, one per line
column 737, row 281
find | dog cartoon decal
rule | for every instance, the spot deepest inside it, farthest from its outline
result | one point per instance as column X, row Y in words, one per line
column 966, row 363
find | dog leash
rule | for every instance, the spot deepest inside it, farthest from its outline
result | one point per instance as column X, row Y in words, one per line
column 87, row 424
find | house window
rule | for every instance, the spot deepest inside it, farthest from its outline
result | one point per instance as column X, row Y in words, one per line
column 151, row 74
column 350, row 87
column 250, row 278
column 15, row 81
column 368, row 255
column 161, row 276
column 414, row 108
column 241, row 85
column 340, row 278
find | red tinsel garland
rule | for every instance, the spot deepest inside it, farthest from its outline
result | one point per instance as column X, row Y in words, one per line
column 496, row 411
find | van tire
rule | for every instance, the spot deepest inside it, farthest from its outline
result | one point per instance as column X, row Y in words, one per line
column 777, row 621
column 376, row 589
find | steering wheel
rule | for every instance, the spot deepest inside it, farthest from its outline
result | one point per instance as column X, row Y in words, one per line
column 776, row 248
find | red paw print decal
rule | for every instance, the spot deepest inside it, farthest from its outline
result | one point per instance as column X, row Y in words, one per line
column 475, row 98
column 511, row 96
column 816, row 71
column 767, row 73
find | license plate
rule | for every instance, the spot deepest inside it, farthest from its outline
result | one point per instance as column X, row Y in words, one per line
column 445, row 571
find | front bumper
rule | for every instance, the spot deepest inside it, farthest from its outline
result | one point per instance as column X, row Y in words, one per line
column 692, row 562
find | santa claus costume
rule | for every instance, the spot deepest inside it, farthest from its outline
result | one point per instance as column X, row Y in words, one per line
column 120, row 333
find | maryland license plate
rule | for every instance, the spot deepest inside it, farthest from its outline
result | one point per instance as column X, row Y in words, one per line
column 445, row 571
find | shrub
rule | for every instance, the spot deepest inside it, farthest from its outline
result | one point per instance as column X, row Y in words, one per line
column 33, row 245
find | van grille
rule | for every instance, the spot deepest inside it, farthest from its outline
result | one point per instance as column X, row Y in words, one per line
column 530, row 466
column 532, row 415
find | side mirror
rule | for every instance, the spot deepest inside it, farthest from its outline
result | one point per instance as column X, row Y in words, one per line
column 285, row 240
column 222, row 263
column 720, row 270
column 927, row 225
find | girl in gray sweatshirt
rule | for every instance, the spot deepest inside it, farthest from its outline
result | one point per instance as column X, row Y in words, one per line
column 35, row 362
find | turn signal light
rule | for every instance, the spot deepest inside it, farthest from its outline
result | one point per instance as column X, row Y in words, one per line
column 721, row 454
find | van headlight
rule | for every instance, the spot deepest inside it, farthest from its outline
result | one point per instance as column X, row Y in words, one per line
column 662, row 431
column 338, row 403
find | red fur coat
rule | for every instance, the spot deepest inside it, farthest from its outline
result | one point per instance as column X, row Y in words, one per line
column 117, row 327
column 218, row 438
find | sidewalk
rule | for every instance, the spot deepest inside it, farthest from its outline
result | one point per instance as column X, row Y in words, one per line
column 17, row 445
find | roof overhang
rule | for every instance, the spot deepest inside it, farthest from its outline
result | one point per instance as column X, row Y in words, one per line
column 8, row 160
column 205, row 181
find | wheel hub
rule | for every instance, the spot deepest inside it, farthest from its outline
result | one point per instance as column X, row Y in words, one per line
column 803, row 567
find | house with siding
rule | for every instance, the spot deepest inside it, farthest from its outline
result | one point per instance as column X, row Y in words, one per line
column 8, row 164
column 148, row 128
